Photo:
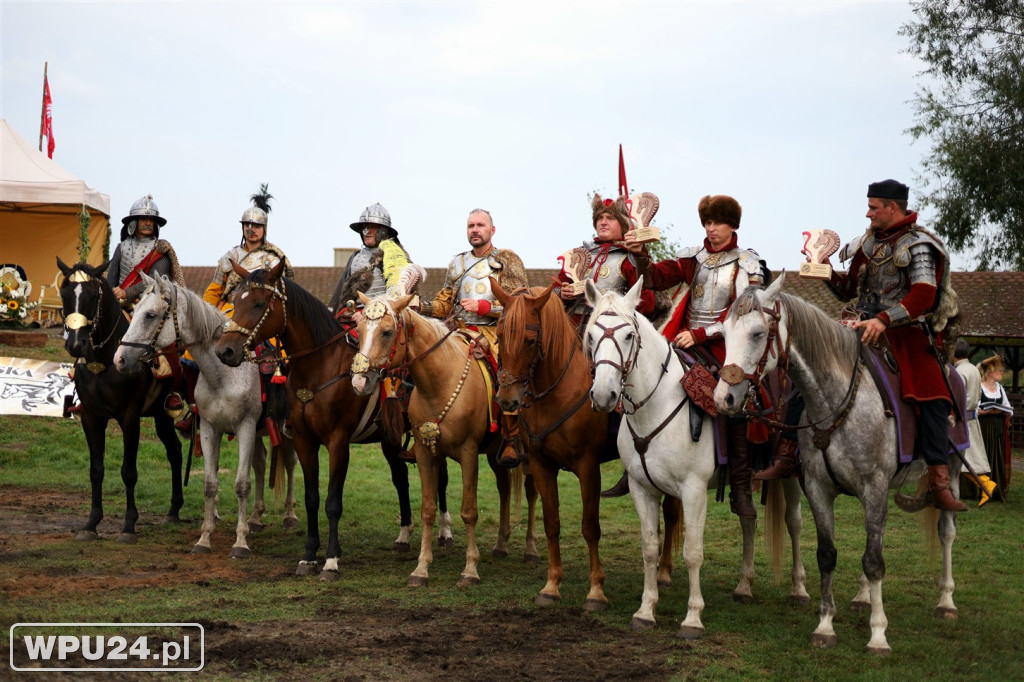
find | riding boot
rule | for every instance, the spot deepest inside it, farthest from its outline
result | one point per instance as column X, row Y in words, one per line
column 785, row 464
column 512, row 449
column 740, row 500
column 988, row 488
column 620, row 488
column 939, row 493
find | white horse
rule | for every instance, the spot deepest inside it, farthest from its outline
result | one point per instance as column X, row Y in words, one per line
column 849, row 417
column 635, row 365
column 228, row 399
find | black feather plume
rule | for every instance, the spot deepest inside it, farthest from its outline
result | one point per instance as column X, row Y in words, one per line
column 261, row 199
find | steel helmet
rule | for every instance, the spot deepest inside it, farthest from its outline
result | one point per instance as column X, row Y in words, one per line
column 374, row 215
column 254, row 215
column 145, row 207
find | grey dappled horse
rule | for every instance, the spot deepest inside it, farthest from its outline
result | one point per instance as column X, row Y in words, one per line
column 634, row 366
column 762, row 326
column 228, row 399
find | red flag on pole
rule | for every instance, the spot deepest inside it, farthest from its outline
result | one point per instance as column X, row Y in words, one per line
column 623, row 186
column 48, row 118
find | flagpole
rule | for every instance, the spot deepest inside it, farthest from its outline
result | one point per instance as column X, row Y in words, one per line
column 42, row 113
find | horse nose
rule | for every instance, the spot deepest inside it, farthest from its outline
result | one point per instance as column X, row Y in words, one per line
column 227, row 356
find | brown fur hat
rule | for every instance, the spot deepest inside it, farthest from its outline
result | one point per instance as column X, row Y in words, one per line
column 720, row 208
column 616, row 208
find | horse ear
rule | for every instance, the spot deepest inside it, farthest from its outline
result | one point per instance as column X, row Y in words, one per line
column 499, row 294
column 63, row 268
column 103, row 268
column 771, row 294
column 592, row 293
column 239, row 270
column 401, row 302
column 363, row 298
column 275, row 272
column 543, row 296
column 633, row 295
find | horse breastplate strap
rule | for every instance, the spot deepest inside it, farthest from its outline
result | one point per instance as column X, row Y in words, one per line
column 609, row 278
column 470, row 274
column 712, row 289
column 363, row 259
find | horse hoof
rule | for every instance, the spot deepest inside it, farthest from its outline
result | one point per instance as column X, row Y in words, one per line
column 860, row 605
column 401, row 547
column 742, row 598
column 169, row 520
column 289, row 523
column 531, row 559
column 946, row 612
column 445, row 543
column 255, row 526
column 878, row 650
column 127, row 539
column 592, row 605
column 201, row 549
column 824, row 641
column 544, row 599
column 329, row 576
column 800, row 599
column 307, row 568
column 665, row 584
column 689, row 632
column 638, row 624
column 87, row 535
column 239, row 553
column 418, row 581
column 468, row 581
column 499, row 552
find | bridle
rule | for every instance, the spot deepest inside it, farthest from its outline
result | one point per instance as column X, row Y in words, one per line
column 506, row 379
column 77, row 320
column 250, row 334
column 149, row 350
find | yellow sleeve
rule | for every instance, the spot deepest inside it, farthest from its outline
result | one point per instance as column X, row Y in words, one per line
column 213, row 293
column 394, row 260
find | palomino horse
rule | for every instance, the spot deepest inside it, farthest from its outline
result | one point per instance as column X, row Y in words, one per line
column 94, row 325
column 852, row 450
column 448, row 411
column 545, row 376
column 323, row 410
column 636, row 371
column 167, row 315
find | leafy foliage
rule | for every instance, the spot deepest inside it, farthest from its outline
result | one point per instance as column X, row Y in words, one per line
column 973, row 113
column 83, row 234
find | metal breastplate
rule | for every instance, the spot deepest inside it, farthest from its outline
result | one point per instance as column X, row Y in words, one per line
column 133, row 251
column 258, row 259
column 473, row 283
column 609, row 276
column 712, row 289
column 883, row 283
column 363, row 259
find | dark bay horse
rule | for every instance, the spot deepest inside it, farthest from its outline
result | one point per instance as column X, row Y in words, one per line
column 323, row 408
column 94, row 325
column 854, row 447
column 545, row 375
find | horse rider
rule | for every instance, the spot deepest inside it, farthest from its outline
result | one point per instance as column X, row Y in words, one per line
column 715, row 271
column 467, row 291
column 377, row 267
column 254, row 252
column 900, row 276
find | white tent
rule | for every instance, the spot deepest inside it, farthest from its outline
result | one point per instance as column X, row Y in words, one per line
column 39, row 207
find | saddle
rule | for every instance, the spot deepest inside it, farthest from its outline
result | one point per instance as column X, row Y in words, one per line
column 488, row 363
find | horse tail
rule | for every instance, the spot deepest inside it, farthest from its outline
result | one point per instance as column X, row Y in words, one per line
column 278, row 474
column 517, row 479
column 675, row 524
column 774, row 525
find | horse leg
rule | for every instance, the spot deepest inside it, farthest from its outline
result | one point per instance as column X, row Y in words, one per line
column 876, row 509
column 947, row 533
column 504, row 484
column 247, row 456
column 400, row 479
column 427, row 464
column 862, row 600
column 339, row 455
column 287, row 449
column 130, row 428
column 308, row 451
column 672, row 508
column 546, row 480
column 259, row 470
column 647, row 509
column 530, row 555
column 95, row 430
column 695, row 505
column 795, row 523
column 744, row 589
column 470, row 461
column 590, row 490
column 210, row 438
column 172, row 446
column 444, row 519
column 821, row 502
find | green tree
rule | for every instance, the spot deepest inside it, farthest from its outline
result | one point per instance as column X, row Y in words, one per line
column 972, row 111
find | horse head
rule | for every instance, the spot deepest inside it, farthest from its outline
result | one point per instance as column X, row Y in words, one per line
column 148, row 330
column 87, row 300
column 382, row 343
column 612, row 342
column 256, row 317
column 520, row 345
column 754, row 339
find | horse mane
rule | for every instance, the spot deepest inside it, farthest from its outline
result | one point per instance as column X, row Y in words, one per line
column 834, row 345
column 322, row 325
column 199, row 315
column 438, row 326
column 559, row 337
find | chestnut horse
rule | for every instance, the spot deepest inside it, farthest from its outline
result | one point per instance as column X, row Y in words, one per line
column 323, row 409
column 448, row 411
column 545, row 375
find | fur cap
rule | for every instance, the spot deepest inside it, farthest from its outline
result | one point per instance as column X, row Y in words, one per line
column 720, row 208
column 616, row 208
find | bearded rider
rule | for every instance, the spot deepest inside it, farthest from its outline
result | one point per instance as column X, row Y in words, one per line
column 141, row 250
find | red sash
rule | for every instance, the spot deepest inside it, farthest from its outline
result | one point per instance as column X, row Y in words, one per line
column 134, row 276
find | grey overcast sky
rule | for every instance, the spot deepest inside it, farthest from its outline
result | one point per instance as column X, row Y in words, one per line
column 435, row 108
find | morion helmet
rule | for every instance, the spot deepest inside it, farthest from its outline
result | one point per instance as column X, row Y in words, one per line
column 144, row 207
column 374, row 215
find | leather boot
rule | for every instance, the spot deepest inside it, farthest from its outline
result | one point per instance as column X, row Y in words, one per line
column 740, row 500
column 939, row 493
column 785, row 464
column 620, row 488
column 987, row 490
column 512, row 450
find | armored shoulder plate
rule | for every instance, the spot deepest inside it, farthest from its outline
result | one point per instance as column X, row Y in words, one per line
column 689, row 251
column 849, row 250
column 919, row 238
column 750, row 263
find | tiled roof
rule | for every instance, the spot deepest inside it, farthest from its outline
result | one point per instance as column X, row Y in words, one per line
column 988, row 299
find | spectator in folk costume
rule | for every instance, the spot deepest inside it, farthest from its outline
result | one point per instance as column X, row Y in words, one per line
column 994, row 412
column 975, row 454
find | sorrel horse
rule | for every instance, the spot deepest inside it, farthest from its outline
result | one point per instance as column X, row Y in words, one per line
column 545, row 376
column 853, row 449
column 448, row 411
column 94, row 325
column 636, row 371
column 323, row 408
column 170, row 316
